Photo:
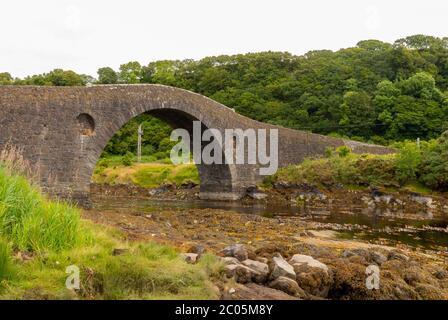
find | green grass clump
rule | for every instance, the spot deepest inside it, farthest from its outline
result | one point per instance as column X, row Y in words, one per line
column 151, row 272
column 151, row 177
column 53, row 237
column 32, row 222
column 110, row 161
column 128, row 159
column 5, row 260
column 144, row 271
column 154, row 176
column 183, row 174
column 146, row 175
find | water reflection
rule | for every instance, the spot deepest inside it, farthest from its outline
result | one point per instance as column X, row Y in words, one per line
column 371, row 224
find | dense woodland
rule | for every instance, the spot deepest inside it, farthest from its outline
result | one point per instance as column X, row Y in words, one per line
column 376, row 91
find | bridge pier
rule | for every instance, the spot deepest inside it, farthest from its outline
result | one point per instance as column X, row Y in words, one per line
column 82, row 200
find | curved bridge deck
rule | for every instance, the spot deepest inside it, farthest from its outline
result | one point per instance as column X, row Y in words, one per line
column 63, row 131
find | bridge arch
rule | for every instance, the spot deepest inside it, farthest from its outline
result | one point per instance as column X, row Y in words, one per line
column 215, row 179
column 62, row 131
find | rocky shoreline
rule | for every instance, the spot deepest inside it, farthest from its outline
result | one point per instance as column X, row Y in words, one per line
column 300, row 196
column 286, row 257
column 393, row 201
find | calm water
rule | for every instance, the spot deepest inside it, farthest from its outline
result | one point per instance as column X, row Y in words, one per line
column 417, row 230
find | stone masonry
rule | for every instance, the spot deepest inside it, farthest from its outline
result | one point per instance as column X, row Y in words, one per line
column 62, row 131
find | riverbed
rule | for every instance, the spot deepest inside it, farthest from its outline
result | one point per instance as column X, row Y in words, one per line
column 406, row 235
column 374, row 225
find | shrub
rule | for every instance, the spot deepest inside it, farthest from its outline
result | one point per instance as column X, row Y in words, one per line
column 343, row 151
column 377, row 171
column 101, row 165
column 128, row 159
column 379, row 140
column 350, row 169
column 165, row 145
column 407, row 162
column 310, row 171
column 345, row 170
column 148, row 150
column 425, row 164
column 434, row 172
column 160, row 155
column 329, row 152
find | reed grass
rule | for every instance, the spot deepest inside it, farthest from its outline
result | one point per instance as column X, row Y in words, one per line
column 53, row 236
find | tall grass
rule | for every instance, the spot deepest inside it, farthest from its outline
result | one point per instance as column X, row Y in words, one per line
column 29, row 220
column 5, row 260
column 154, row 176
column 147, row 175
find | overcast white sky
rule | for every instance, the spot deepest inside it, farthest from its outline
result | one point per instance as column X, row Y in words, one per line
column 83, row 35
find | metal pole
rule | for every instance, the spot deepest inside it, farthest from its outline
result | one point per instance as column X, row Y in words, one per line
column 139, row 143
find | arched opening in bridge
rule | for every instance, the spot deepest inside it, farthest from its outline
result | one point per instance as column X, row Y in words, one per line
column 118, row 164
column 86, row 124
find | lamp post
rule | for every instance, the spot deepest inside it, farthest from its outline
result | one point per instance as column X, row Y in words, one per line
column 139, row 143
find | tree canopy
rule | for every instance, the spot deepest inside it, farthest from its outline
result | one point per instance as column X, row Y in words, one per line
column 375, row 91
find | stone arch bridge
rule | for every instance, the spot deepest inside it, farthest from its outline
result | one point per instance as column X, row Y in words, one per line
column 62, row 131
